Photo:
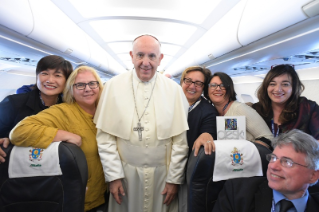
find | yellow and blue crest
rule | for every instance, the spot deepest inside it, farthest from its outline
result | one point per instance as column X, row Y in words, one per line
column 237, row 157
column 35, row 154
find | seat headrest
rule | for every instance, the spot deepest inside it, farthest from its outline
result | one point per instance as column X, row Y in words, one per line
column 236, row 158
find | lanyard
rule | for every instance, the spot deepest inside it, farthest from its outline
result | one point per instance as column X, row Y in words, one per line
column 273, row 128
column 273, row 206
column 193, row 105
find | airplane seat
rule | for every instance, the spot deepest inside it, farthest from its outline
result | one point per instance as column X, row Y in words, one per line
column 202, row 191
column 64, row 192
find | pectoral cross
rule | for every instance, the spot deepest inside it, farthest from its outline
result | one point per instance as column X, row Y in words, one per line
column 139, row 128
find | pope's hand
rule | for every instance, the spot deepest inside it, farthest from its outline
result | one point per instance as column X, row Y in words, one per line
column 5, row 142
column 117, row 191
column 206, row 140
column 170, row 190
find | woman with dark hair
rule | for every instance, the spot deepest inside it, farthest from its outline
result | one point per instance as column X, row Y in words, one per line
column 51, row 74
column 281, row 105
column 222, row 94
column 201, row 114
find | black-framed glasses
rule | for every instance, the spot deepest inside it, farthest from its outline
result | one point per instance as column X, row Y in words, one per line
column 82, row 85
column 188, row 81
column 285, row 162
column 214, row 86
column 273, row 66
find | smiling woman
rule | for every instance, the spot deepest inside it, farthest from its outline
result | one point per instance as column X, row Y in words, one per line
column 72, row 122
column 281, row 105
column 52, row 72
column 222, row 94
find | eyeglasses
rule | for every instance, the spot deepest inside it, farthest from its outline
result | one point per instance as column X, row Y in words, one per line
column 214, row 86
column 285, row 162
column 82, row 85
column 273, row 66
column 188, row 81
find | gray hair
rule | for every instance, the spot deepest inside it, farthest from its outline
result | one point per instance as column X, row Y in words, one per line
column 146, row 35
column 303, row 143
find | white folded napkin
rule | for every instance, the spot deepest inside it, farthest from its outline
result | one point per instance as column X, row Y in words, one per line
column 236, row 158
column 31, row 162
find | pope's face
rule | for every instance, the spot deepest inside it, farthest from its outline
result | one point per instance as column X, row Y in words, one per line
column 146, row 57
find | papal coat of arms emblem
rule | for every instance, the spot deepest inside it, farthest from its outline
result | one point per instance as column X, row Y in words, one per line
column 237, row 157
column 35, row 154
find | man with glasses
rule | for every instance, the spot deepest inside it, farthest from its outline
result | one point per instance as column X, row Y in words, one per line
column 293, row 167
column 142, row 121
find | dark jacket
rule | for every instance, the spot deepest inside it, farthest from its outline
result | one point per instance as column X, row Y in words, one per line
column 16, row 107
column 252, row 195
column 307, row 118
column 200, row 120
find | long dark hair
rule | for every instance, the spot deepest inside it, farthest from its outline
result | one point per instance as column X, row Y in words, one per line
column 292, row 104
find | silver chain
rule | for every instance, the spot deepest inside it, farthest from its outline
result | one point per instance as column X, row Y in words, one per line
column 139, row 119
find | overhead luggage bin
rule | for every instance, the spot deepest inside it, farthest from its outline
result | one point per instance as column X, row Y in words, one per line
column 262, row 18
column 218, row 40
column 21, row 20
column 53, row 28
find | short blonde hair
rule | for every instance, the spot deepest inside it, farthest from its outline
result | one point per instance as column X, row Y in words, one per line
column 68, row 96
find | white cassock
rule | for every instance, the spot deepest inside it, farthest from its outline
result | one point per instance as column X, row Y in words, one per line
column 144, row 166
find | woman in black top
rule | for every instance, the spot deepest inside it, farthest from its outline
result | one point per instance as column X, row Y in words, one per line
column 52, row 72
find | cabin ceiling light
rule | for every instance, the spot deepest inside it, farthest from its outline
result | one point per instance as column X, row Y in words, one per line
column 166, row 32
column 178, row 10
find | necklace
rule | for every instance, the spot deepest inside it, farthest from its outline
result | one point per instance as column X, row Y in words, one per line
column 226, row 106
column 139, row 127
column 273, row 128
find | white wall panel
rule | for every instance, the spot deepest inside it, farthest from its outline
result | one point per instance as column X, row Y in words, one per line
column 262, row 18
column 16, row 15
column 53, row 28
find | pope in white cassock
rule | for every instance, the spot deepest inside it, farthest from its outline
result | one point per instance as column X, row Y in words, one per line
column 141, row 125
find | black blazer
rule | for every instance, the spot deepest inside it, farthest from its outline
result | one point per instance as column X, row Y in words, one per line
column 252, row 195
column 16, row 107
column 200, row 120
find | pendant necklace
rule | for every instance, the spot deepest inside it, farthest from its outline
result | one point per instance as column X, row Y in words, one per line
column 139, row 127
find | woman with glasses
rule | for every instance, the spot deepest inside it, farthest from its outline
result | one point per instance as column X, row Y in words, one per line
column 201, row 118
column 51, row 75
column 281, row 105
column 222, row 94
column 72, row 122
column 201, row 114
